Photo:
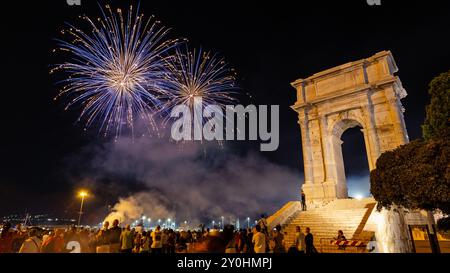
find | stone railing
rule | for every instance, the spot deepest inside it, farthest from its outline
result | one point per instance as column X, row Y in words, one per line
column 282, row 216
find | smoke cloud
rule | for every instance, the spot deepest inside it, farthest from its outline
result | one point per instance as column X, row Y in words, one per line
column 192, row 181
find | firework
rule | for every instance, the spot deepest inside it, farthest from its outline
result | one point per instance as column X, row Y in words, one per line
column 116, row 69
column 198, row 74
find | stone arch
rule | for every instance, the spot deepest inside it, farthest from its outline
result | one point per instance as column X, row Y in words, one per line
column 364, row 93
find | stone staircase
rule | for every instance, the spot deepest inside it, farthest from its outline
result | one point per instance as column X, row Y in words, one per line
column 348, row 215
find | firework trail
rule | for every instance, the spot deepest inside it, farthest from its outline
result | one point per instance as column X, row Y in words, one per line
column 116, row 70
column 198, row 74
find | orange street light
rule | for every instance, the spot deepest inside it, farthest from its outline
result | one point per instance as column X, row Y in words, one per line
column 81, row 194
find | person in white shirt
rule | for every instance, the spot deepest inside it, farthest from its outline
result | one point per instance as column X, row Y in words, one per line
column 299, row 240
column 32, row 244
column 259, row 240
column 157, row 240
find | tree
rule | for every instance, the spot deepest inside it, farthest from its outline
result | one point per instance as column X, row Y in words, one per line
column 414, row 176
column 417, row 175
column 437, row 120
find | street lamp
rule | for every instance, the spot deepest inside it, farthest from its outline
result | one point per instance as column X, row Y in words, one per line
column 81, row 194
column 248, row 222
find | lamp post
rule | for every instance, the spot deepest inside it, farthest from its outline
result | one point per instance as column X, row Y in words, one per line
column 248, row 222
column 82, row 194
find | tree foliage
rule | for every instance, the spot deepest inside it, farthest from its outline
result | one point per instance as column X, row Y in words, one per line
column 414, row 176
column 417, row 175
column 437, row 122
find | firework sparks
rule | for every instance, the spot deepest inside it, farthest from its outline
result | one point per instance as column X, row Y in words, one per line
column 116, row 69
column 198, row 74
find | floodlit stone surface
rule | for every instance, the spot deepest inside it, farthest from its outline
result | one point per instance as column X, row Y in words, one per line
column 367, row 94
column 364, row 93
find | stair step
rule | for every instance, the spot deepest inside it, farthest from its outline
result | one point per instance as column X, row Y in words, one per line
column 324, row 223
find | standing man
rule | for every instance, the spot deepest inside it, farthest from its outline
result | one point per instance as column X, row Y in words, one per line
column 278, row 239
column 249, row 241
column 102, row 239
column 126, row 240
column 303, row 201
column 114, row 237
column 309, row 242
column 259, row 240
column 300, row 240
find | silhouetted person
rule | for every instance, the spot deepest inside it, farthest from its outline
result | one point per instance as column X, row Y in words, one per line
column 278, row 239
column 303, row 201
column 309, row 242
column 340, row 238
column 6, row 239
column 126, row 240
column 114, row 237
column 102, row 239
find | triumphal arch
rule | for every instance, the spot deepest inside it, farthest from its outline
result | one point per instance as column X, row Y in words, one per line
column 365, row 94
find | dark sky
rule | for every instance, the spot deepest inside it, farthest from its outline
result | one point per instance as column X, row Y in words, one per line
column 270, row 44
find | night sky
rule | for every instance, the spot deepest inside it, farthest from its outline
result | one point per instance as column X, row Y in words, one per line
column 269, row 44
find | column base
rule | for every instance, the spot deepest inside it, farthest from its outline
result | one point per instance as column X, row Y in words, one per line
column 323, row 193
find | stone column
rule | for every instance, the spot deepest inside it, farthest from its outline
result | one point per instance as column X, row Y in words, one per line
column 372, row 163
column 370, row 135
column 306, row 146
column 339, row 169
column 326, row 150
column 397, row 116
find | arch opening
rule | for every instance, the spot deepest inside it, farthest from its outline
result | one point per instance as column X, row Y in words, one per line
column 350, row 159
column 356, row 164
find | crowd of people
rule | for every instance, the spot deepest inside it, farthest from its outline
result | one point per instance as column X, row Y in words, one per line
column 112, row 238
